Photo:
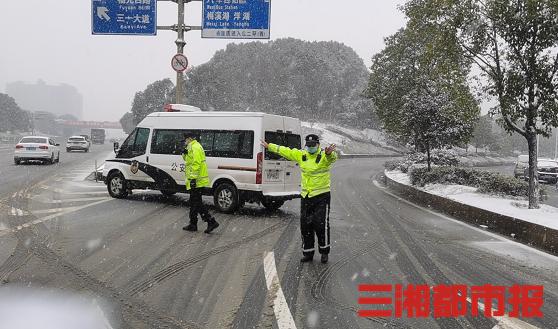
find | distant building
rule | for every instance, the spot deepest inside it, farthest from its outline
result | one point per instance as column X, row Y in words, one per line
column 58, row 100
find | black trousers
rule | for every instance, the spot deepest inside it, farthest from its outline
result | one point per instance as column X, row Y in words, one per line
column 197, row 207
column 314, row 220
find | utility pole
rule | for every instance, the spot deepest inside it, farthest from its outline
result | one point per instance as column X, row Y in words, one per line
column 180, row 43
column 556, row 144
column 180, row 28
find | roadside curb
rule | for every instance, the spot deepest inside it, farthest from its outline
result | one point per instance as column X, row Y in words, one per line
column 531, row 234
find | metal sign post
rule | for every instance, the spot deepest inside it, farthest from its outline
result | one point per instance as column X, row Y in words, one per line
column 179, row 28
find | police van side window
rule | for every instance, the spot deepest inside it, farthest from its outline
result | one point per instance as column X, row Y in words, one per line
column 216, row 143
column 292, row 141
column 280, row 138
column 167, row 141
column 232, row 144
column 275, row 138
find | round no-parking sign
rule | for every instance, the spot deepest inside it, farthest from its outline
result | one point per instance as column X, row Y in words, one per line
column 179, row 63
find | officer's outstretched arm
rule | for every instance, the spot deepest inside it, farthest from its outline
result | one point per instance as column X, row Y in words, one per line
column 290, row 154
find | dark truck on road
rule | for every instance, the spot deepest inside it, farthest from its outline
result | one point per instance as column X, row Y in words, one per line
column 97, row 136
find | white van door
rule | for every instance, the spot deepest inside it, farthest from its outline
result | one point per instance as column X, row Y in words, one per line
column 135, row 148
column 292, row 139
column 273, row 174
column 166, row 150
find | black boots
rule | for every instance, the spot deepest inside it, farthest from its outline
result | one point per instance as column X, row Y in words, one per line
column 309, row 258
column 211, row 225
column 190, row 227
column 306, row 258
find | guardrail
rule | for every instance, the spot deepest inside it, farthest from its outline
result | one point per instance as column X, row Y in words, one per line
column 356, row 156
column 534, row 235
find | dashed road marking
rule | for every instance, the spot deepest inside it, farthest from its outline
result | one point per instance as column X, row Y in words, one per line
column 505, row 322
column 18, row 212
column 51, row 210
column 49, row 217
column 280, row 307
column 75, row 200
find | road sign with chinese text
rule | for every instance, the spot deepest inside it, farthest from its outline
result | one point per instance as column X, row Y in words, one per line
column 236, row 19
column 126, row 17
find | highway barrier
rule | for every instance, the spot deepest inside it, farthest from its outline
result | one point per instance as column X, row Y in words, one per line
column 531, row 234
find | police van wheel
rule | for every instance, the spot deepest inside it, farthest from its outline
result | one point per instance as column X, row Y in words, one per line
column 117, row 186
column 272, row 204
column 225, row 198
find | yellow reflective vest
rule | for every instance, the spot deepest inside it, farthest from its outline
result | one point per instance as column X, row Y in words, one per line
column 196, row 168
column 315, row 178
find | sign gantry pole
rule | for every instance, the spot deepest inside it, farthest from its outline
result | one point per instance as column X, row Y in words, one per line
column 180, row 43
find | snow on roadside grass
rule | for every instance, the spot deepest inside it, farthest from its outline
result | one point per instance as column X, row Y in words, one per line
column 327, row 136
column 399, row 176
column 517, row 208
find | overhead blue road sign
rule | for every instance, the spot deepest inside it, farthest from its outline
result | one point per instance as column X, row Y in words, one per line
column 236, row 19
column 126, row 17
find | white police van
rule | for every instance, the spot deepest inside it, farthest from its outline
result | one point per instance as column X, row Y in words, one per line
column 240, row 170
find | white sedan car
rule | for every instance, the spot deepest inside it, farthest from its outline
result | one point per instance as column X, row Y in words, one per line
column 36, row 148
column 77, row 143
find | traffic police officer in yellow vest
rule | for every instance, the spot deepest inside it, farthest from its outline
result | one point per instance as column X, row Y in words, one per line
column 196, row 179
column 315, row 165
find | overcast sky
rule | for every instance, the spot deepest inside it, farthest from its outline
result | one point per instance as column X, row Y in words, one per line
column 51, row 40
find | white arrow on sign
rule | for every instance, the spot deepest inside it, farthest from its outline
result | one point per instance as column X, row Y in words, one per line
column 102, row 13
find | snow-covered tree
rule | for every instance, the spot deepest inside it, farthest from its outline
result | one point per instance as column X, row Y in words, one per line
column 515, row 44
column 483, row 135
column 421, row 99
column 152, row 99
column 14, row 117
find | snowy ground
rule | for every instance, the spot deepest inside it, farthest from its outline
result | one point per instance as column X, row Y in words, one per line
column 474, row 160
column 351, row 141
column 517, row 208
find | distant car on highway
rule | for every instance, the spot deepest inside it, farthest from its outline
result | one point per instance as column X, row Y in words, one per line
column 36, row 148
column 77, row 143
column 548, row 171
column 521, row 165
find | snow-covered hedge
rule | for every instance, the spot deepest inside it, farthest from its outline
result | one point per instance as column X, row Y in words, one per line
column 438, row 157
column 486, row 182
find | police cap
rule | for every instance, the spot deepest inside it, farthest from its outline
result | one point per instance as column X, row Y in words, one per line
column 312, row 140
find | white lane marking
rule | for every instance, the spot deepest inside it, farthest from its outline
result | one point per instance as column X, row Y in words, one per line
column 505, row 322
column 18, row 212
column 49, row 217
column 280, row 307
column 52, row 210
column 65, row 192
column 104, row 320
column 493, row 235
column 74, row 200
